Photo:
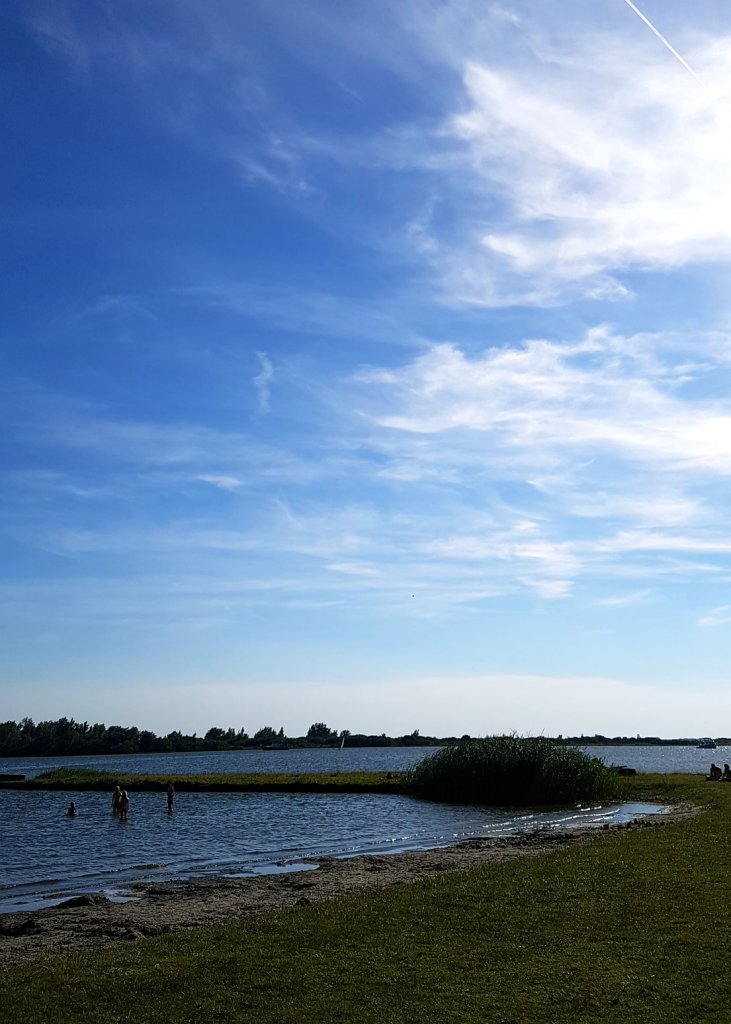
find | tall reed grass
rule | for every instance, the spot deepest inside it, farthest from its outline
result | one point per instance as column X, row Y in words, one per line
column 512, row 771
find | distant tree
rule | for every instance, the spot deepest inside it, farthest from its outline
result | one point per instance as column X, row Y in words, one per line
column 319, row 732
column 11, row 739
column 266, row 735
column 148, row 742
column 176, row 741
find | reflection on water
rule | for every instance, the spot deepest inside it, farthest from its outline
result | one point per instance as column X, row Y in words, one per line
column 47, row 857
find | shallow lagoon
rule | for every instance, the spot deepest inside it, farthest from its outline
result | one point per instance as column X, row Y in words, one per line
column 47, row 857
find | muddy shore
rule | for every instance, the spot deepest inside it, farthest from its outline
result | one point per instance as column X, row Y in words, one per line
column 91, row 922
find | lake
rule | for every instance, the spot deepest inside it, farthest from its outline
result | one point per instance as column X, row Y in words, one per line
column 643, row 758
column 47, row 857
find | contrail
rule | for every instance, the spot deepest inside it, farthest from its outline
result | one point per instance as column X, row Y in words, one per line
column 664, row 41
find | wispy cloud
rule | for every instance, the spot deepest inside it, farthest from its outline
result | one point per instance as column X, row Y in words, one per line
column 559, row 176
column 262, row 381
column 624, row 600
column 545, row 402
column 719, row 616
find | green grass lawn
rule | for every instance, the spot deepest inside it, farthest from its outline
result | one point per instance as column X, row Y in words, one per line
column 632, row 927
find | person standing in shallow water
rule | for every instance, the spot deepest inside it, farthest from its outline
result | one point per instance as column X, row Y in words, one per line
column 123, row 806
column 171, row 797
column 116, row 797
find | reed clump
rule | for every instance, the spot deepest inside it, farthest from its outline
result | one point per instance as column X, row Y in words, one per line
column 512, row 771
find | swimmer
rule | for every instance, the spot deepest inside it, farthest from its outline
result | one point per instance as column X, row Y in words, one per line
column 71, row 810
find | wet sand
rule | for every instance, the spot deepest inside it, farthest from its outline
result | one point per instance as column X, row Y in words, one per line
column 92, row 922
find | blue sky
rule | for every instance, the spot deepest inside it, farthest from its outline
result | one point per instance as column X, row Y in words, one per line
column 367, row 362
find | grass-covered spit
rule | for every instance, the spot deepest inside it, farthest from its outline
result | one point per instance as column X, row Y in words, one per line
column 75, row 778
column 512, row 771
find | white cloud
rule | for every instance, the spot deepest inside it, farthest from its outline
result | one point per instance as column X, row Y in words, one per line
column 719, row 616
column 546, row 401
column 263, row 380
column 220, row 480
column 604, row 158
column 623, row 600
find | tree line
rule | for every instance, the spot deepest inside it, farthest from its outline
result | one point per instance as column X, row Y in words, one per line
column 65, row 736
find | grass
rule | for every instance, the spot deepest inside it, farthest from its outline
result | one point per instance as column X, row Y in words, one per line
column 73, row 779
column 628, row 929
column 512, row 771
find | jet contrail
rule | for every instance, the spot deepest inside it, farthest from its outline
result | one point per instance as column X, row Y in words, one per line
column 664, row 41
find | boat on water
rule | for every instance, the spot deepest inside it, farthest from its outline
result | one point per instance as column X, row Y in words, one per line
column 279, row 745
column 706, row 743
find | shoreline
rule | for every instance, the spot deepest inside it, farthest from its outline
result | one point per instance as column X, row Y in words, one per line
column 87, row 923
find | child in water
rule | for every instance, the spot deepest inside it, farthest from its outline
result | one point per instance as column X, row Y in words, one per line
column 116, row 797
column 123, row 806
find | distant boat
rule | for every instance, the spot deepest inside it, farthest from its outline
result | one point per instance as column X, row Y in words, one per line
column 279, row 745
column 706, row 744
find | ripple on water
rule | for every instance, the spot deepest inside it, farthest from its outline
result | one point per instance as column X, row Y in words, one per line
column 235, row 834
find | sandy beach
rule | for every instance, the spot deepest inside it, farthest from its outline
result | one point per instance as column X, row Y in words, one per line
column 91, row 922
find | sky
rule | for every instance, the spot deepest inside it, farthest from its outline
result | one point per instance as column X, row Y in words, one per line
column 366, row 363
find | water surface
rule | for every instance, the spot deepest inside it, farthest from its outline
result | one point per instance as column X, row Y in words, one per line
column 643, row 758
column 47, row 857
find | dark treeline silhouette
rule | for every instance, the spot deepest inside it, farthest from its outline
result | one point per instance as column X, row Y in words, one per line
column 634, row 741
column 66, row 737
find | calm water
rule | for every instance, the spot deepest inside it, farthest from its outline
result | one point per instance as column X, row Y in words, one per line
column 47, row 857
column 644, row 759
column 326, row 760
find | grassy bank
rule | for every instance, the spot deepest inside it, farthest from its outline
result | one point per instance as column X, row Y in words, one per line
column 78, row 779
column 629, row 928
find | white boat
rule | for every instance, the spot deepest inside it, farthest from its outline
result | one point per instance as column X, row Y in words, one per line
column 706, row 743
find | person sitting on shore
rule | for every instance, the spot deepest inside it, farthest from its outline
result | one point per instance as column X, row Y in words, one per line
column 715, row 774
column 71, row 810
column 123, row 806
column 726, row 777
column 116, row 797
